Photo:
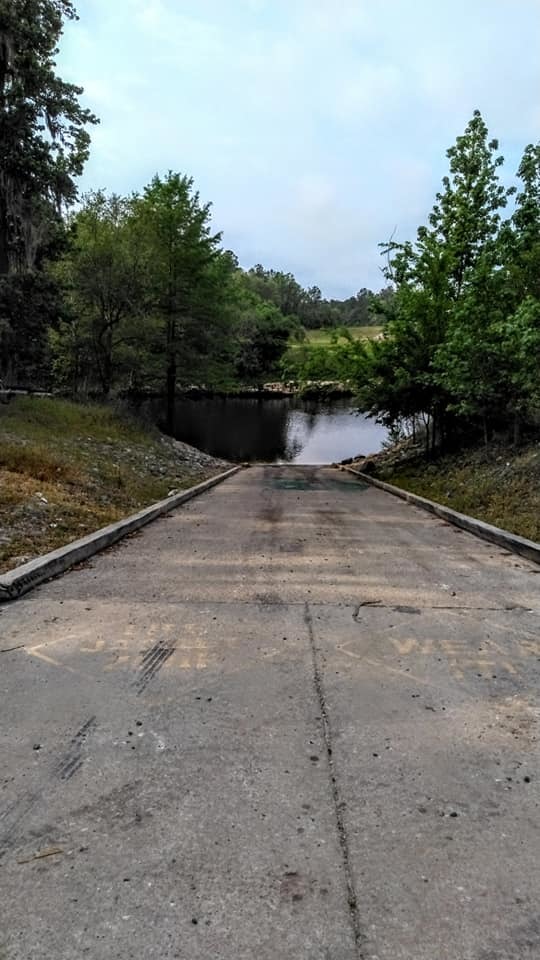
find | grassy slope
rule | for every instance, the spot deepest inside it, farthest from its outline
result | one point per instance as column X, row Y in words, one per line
column 323, row 338
column 502, row 488
column 67, row 469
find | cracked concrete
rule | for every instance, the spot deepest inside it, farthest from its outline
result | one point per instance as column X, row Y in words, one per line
column 297, row 717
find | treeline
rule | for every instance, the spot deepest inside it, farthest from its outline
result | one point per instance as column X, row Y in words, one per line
column 460, row 355
column 140, row 295
column 309, row 307
column 152, row 301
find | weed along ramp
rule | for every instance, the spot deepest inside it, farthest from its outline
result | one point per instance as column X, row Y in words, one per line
column 297, row 718
column 19, row 581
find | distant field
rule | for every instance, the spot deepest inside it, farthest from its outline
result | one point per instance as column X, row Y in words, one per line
column 324, row 337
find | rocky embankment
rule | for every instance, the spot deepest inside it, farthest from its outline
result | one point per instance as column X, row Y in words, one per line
column 392, row 457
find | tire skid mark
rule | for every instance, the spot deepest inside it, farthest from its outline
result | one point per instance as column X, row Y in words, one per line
column 15, row 813
column 152, row 663
column 72, row 760
column 11, row 817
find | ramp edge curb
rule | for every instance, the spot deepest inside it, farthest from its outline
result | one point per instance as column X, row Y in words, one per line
column 486, row 531
column 20, row 580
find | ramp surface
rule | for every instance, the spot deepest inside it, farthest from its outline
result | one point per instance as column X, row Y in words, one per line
column 299, row 717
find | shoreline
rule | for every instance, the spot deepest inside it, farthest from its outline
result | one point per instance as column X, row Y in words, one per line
column 269, row 391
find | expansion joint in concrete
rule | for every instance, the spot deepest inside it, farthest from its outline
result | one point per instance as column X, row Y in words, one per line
column 339, row 805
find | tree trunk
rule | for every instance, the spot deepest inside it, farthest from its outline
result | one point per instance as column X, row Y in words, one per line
column 171, row 394
column 4, row 240
column 427, row 422
column 517, row 430
column 171, row 374
column 107, row 363
column 486, row 431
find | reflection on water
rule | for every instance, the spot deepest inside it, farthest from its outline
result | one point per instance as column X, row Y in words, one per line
column 284, row 430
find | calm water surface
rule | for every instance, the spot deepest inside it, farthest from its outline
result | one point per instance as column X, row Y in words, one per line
column 280, row 430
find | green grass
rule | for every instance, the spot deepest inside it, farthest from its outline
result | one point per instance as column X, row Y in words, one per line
column 323, row 338
column 358, row 333
column 68, row 469
column 40, row 418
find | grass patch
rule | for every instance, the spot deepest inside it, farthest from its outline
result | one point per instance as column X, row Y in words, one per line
column 48, row 419
column 67, row 469
column 501, row 488
column 37, row 462
column 324, row 337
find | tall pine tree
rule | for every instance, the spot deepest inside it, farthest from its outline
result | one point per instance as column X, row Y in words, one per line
column 44, row 140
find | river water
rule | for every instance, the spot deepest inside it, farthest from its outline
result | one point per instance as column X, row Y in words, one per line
column 280, row 430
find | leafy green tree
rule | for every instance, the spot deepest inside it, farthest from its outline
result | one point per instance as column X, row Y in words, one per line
column 468, row 362
column 30, row 302
column 261, row 334
column 185, row 268
column 477, row 362
column 519, row 339
column 443, row 290
column 354, row 311
column 278, row 288
column 43, row 146
column 43, row 137
column 518, row 330
column 520, row 236
column 103, row 274
column 465, row 219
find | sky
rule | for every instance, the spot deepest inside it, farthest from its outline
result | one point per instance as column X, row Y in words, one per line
column 317, row 128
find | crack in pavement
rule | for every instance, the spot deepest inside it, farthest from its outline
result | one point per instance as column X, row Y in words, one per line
column 336, row 604
column 339, row 805
column 400, row 608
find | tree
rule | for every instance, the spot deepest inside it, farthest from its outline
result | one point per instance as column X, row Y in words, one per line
column 469, row 363
column 43, row 147
column 30, row 302
column 521, row 234
column 185, row 268
column 518, row 329
column 355, row 311
column 466, row 217
column 261, row 333
column 43, row 137
column 104, row 281
column 443, row 291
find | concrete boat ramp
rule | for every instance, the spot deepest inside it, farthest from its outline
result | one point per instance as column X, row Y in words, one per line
column 296, row 718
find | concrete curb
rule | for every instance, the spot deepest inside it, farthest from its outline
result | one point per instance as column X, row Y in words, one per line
column 510, row 541
column 18, row 581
